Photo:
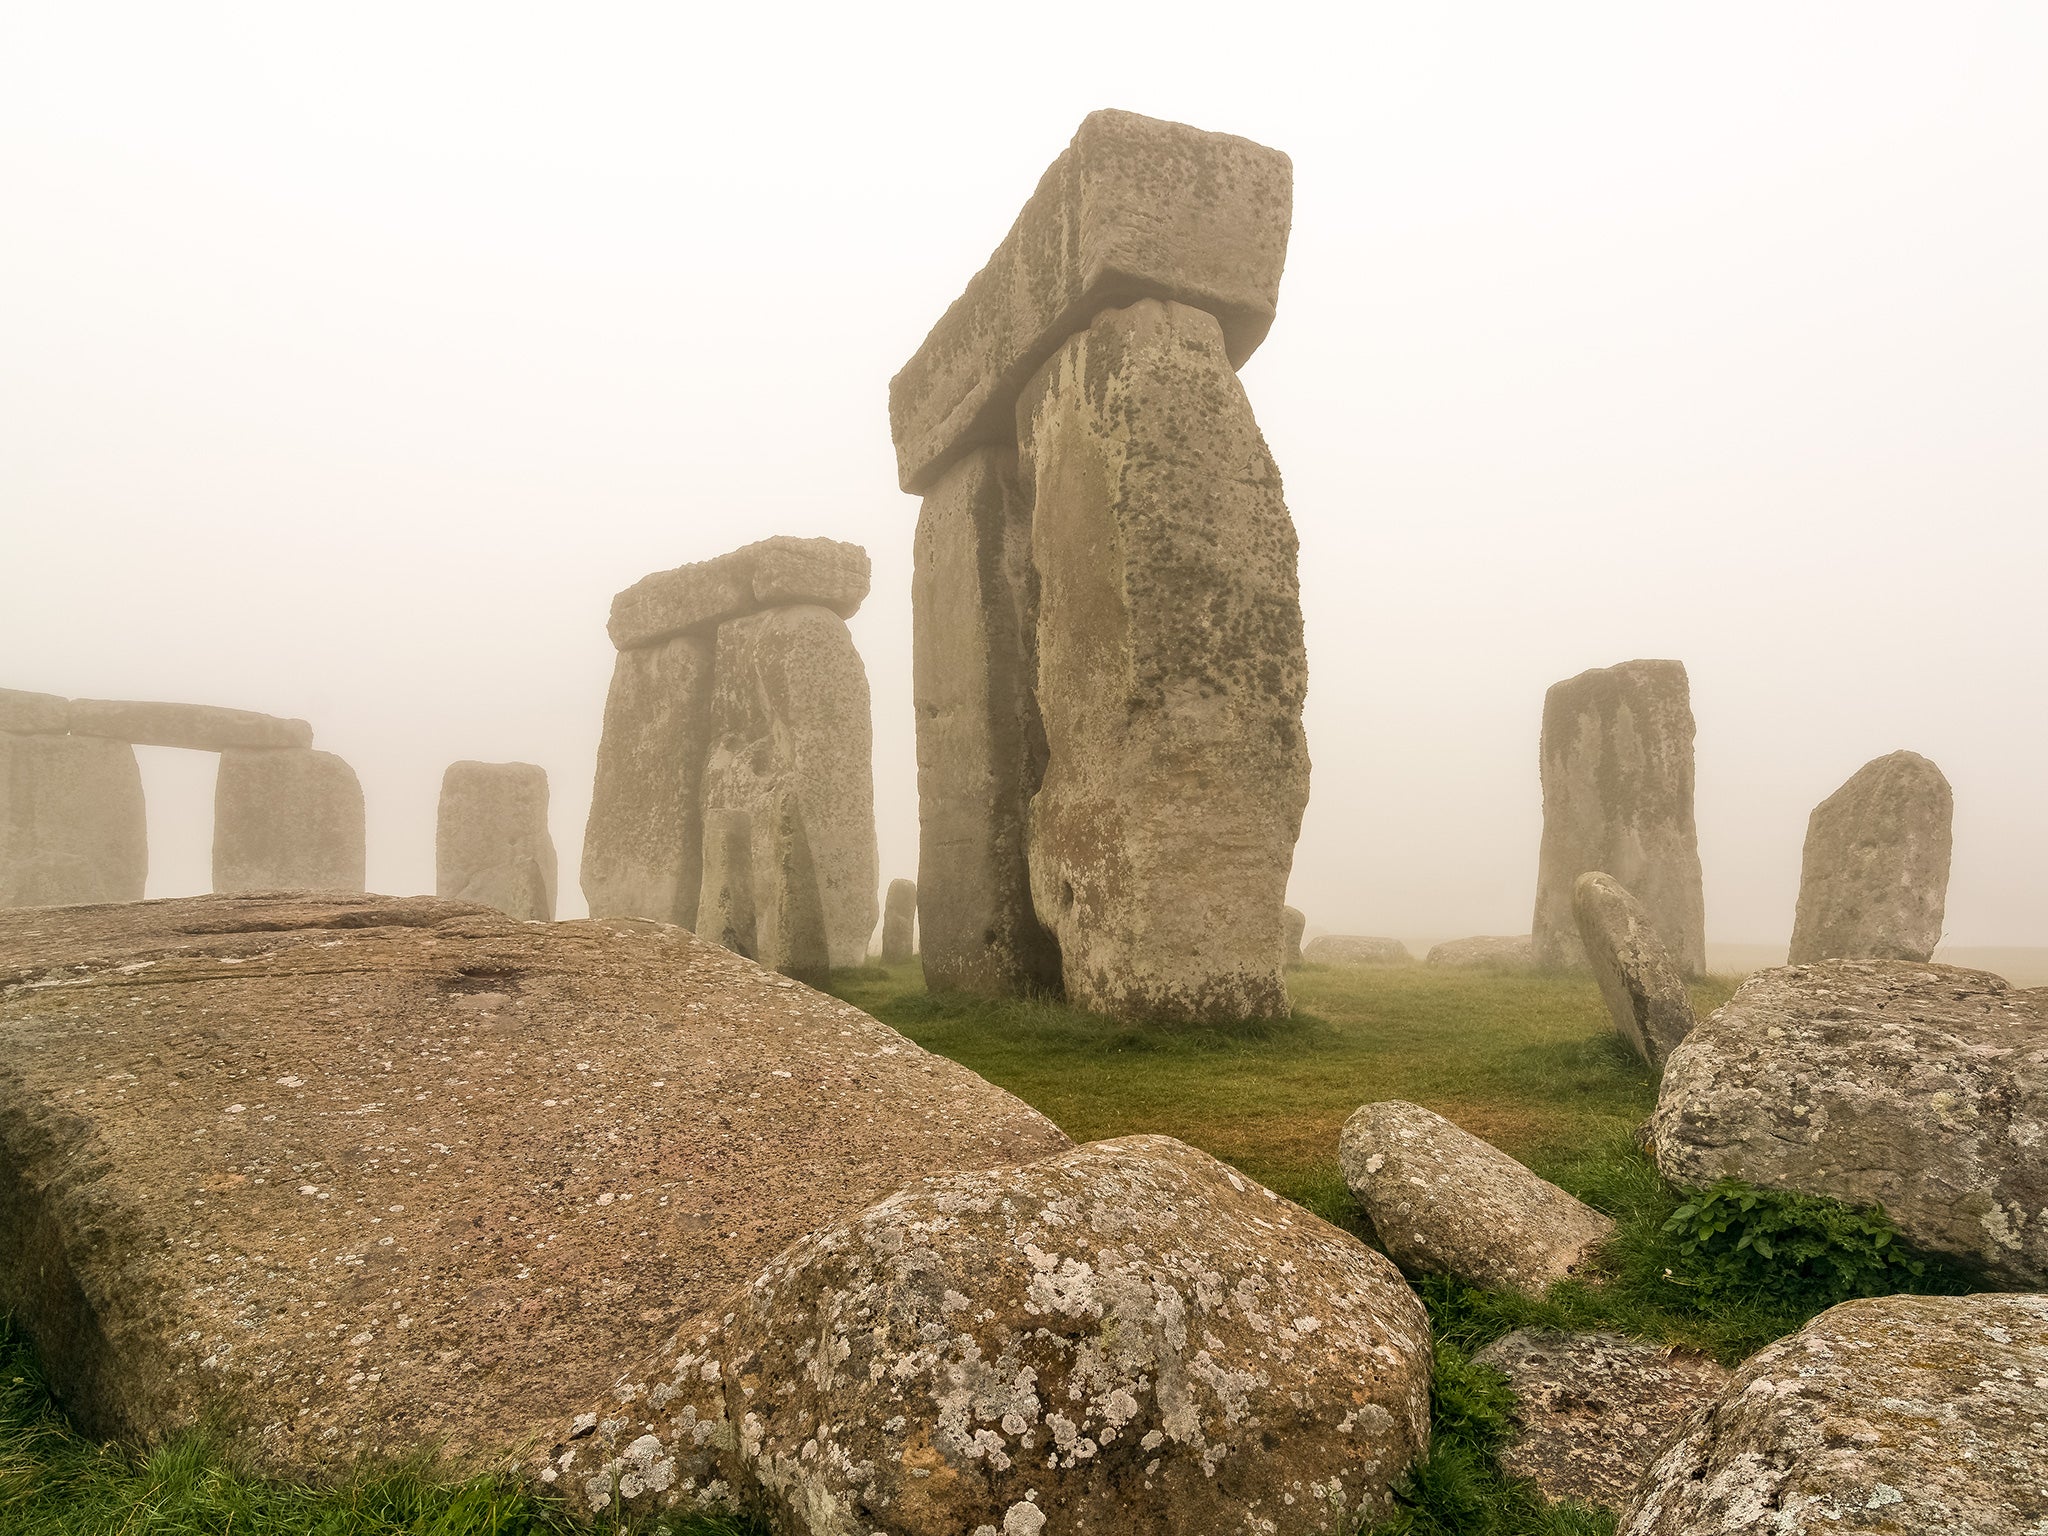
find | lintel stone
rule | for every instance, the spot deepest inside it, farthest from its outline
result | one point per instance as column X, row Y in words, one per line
column 774, row 573
column 198, row 727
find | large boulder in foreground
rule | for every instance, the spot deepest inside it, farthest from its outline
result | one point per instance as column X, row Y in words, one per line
column 1128, row 1337
column 1902, row 1415
column 1643, row 988
column 354, row 1175
column 1919, row 1088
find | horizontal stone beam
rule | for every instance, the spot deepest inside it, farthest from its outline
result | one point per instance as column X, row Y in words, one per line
column 1135, row 208
column 200, row 727
column 775, row 573
column 33, row 714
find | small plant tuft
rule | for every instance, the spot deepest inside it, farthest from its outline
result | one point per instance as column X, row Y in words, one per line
column 1733, row 1240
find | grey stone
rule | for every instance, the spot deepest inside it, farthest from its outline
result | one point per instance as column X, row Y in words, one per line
column 199, row 727
column 1293, row 924
column 642, row 845
column 1618, row 797
column 1873, row 881
column 1134, row 208
column 725, row 910
column 72, row 825
column 491, row 840
column 1128, row 1336
column 1644, row 992
column 33, row 714
column 1890, row 1417
column 773, row 573
column 1919, row 1088
column 286, row 819
column 899, row 923
column 1171, row 672
column 1444, row 1202
column 1486, row 952
column 1356, row 949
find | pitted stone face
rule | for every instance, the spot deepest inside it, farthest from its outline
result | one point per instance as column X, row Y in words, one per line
column 1873, row 877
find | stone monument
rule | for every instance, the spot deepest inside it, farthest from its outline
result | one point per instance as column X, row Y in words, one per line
column 491, row 840
column 1873, row 879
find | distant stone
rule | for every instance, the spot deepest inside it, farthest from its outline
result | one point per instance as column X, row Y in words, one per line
column 198, row 727
column 1919, row 1088
column 773, row 573
column 1126, row 1337
column 33, row 714
column 1506, row 954
column 1645, row 994
column 1873, row 882
column 821, row 571
column 1293, row 924
column 1617, row 757
column 72, row 823
column 491, row 842
column 899, row 923
column 1890, row 1417
column 1352, row 949
column 289, row 819
column 1592, row 1409
column 1443, row 1202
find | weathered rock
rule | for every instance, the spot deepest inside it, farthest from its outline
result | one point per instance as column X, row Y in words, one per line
column 33, row 714
column 1125, row 1337
column 1356, row 949
column 642, row 846
column 792, row 747
column 491, row 841
column 1645, row 994
column 360, row 1175
column 199, row 727
column 1293, row 924
column 1593, row 1409
column 1873, row 881
column 1485, row 951
column 1134, row 208
column 980, row 743
column 1444, row 1202
column 725, row 910
column 1618, row 797
column 773, row 573
column 899, row 923
column 1892, row 1417
column 72, row 824
column 821, row 571
column 1171, row 672
column 1919, row 1088
column 285, row 819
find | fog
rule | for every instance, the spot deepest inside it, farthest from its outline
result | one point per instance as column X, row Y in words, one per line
column 352, row 357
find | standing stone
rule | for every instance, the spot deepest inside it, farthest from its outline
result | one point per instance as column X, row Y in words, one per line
column 1618, row 797
column 1645, row 994
column 642, row 846
column 980, row 742
column 1293, row 924
column 72, row 826
column 287, row 818
column 899, row 923
column 1873, row 883
column 491, row 843
column 1171, row 672
column 725, row 910
column 33, row 714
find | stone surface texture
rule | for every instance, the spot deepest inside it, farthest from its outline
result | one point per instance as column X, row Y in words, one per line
column 1444, row 1202
column 33, row 714
column 1919, row 1088
column 1126, row 1337
column 1893, row 1417
column 899, row 923
column 1873, row 880
column 1135, row 208
column 72, row 823
column 1617, row 758
column 1293, row 924
column 725, row 909
column 1643, row 988
column 491, row 839
column 1356, row 949
column 200, row 727
column 286, row 819
column 1171, row 672
column 1593, row 1410
column 1486, row 950
column 777, row 572
column 356, row 1175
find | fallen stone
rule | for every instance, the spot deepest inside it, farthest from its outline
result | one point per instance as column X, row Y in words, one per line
column 1645, row 994
column 1873, row 881
column 352, row 1177
column 1125, row 1337
column 491, row 840
column 773, row 573
column 1618, row 797
column 1134, row 208
column 1919, row 1088
column 33, row 714
column 1293, row 924
column 289, row 819
column 1592, row 1410
column 72, row 822
column 1355, row 950
column 198, row 727
column 1171, row 673
column 899, row 923
column 1486, row 951
column 1443, row 1202
column 1903, row 1414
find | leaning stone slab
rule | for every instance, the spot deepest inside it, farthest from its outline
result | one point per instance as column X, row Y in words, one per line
column 1904, row 1414
column 899, row 923
column 773, row 573
column 1443, row 1202
column 33, row 714
column 359, row 1176
column 1644, row 992
column 1125, row 1337
column 1352, row 949
column 1919, row 1088
column 1134, row 209
column 198, row 727
column 491, row 841
column 1873, row 880
column 1484, row 951
column 290, row 819
column 72, row 822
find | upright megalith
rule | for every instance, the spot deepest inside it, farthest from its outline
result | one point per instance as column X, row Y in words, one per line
column 1293, row 924
column 286, row 818
column 899, row 923
column 1873, row 880
column 491, row 841
column 1110, row 660
column 72, row 823
column 1618, row 797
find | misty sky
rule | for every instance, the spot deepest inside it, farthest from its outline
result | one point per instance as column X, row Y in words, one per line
column 351, row 357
